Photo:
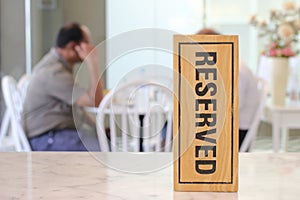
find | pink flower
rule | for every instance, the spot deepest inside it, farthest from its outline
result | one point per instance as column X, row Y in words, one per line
column 281, row 29
column 273, row 45
column 288, row 52
column 279, row 52
column 272, row 52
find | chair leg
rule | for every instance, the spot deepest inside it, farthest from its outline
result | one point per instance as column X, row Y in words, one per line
column 4, row 125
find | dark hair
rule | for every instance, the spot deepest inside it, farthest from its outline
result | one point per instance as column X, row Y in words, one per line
column 68, row 33
column 207, row 31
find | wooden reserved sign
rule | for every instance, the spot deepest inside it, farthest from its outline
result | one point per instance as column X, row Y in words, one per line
column 206, row 113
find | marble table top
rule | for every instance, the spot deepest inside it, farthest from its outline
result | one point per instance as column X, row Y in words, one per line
column 110, row 176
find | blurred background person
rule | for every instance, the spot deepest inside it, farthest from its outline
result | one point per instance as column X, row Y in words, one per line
column 52, row 93
column 248, row 94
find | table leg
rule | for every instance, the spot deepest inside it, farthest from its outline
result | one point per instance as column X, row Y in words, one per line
column 141, row 118
column 275, row 133
column 285, row 138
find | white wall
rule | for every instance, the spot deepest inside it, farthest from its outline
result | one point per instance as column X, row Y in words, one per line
column 12, row 37
column 128, row 15
column 177, row 16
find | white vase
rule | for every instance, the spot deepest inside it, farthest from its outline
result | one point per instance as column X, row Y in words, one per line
column 279, row 68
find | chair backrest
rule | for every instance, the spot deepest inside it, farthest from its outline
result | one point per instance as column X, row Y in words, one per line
column 140, row 118
column 14, row 104
column 252, row 131
column 5, row 124
column 23, row 85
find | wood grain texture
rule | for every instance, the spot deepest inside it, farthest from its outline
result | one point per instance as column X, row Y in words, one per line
column 206, row 113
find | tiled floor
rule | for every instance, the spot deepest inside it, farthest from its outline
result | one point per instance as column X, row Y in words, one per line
column 263, row 143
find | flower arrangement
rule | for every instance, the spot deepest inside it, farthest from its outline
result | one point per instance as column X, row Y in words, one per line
column 281, row 30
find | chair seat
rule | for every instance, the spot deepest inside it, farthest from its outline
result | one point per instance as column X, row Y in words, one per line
column 7, row 144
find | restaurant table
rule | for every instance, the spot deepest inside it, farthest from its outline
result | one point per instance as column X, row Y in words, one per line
column 86, row 175
column 283, row 118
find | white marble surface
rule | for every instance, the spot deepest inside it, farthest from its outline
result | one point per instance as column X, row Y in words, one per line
column 83, row 176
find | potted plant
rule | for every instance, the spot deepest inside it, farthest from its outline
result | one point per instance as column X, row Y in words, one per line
column 281, row 34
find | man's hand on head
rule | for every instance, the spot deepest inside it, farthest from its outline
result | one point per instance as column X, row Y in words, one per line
column 88, row 53
column 84, row 49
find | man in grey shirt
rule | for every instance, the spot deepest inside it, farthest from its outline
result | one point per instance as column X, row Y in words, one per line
column 52, row 93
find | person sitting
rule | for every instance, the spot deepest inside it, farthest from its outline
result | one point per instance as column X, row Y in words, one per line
column 248, row 100
column 53, row 98
column 248, row 94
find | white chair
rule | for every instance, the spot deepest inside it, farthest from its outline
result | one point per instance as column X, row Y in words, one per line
column 22, row 86
column 14, row 99
column 252, row 131
column 139, row 115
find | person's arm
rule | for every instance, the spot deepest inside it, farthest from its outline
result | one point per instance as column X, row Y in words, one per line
column 94, row 94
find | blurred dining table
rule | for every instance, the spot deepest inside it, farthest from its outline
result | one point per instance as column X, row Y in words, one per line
column 98, row 175
column 141, row 111
column 282, row 118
